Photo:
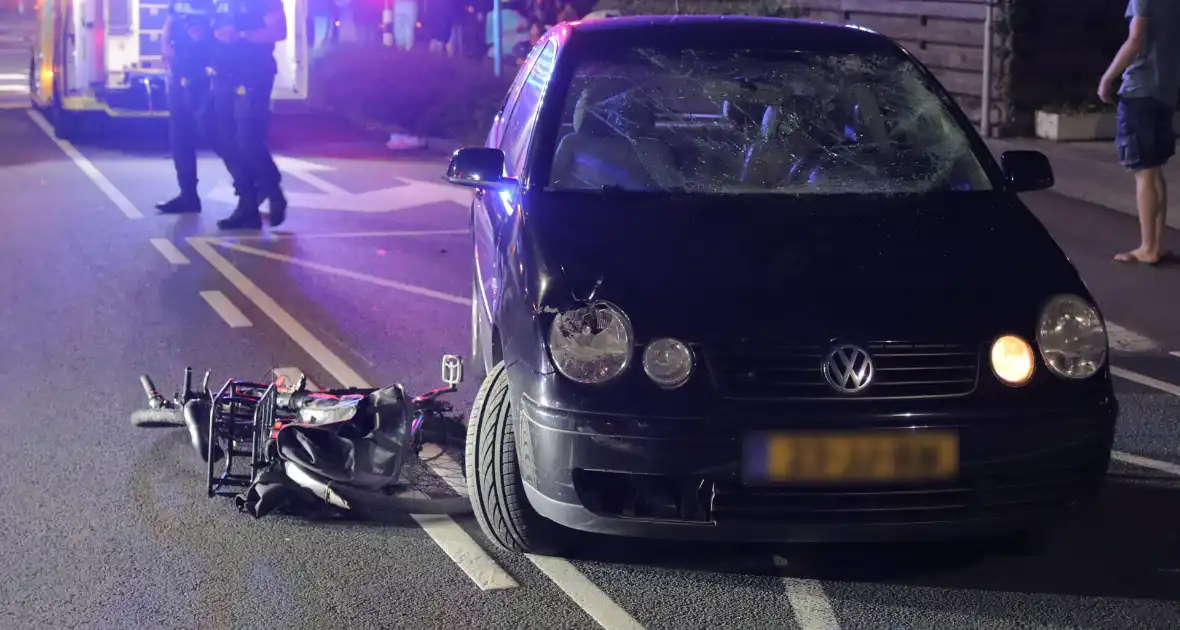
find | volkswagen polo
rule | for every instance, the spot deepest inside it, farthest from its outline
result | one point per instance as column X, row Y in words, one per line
column 759, row 279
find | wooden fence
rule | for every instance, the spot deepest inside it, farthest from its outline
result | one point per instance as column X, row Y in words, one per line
column 946, row 35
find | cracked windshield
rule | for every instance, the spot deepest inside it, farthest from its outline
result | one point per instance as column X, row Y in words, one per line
column 760, row 122
column 589, row 315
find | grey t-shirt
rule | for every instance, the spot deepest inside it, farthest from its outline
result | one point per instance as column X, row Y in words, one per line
column 1156, row 72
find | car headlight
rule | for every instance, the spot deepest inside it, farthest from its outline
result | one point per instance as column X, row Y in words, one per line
column 591, row 344
column 1013, row 360
column 1072, row 337
column 668, row 362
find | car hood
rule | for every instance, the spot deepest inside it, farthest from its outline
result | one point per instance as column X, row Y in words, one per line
column 703, row 267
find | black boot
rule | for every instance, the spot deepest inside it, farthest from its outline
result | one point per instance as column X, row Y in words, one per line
column 185, row 203
column 244, row 217
column 277, row 203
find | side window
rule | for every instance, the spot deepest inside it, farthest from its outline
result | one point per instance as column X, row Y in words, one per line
column 517, row 130
column 497, row 133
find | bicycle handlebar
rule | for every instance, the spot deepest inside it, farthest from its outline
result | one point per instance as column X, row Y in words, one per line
column 155, row 399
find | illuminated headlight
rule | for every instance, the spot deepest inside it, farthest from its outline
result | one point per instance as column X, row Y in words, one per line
column 668, row 362
column 1013, row 361
column 1072, row 337
column 591, row 344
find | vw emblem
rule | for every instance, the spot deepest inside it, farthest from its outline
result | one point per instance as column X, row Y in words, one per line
column 848, row 369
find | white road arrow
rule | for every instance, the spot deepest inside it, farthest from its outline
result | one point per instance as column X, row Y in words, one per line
column 332, row 197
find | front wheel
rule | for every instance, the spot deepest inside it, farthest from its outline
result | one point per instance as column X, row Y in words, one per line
column 67, row 125
column 493, row 476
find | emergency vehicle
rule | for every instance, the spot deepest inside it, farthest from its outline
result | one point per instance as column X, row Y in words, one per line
column 104, row 57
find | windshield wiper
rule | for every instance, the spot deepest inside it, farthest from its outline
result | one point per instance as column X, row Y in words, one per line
column 615, row 188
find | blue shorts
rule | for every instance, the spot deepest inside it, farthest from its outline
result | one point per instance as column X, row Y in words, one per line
column 1145, row 136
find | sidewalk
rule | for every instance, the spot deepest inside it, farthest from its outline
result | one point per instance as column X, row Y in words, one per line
column 1089, row 171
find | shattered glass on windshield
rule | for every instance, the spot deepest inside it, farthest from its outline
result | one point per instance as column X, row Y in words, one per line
column 753, row 122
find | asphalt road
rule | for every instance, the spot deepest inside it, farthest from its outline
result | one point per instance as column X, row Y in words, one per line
column 108, row 527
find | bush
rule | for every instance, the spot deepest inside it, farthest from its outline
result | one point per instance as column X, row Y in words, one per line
column 766, row 8
column 420, row 93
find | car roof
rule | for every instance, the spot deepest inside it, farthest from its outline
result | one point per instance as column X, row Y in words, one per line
column 721, row 32
column 727, row 26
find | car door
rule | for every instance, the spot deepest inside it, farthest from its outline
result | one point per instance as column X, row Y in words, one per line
column 511, row 133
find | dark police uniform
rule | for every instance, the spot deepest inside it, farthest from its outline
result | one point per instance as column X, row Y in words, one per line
column 243, row 78
column 188, row 94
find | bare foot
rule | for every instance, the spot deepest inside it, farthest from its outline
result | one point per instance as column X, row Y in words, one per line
column 1138, row 256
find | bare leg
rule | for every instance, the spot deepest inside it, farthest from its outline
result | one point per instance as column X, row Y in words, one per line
column 1161, row 219
column 1151, row 197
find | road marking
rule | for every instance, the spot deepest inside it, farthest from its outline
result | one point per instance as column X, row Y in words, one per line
column 1163, row 386
column 300, row 335
column 226, row 309
column 445, row 466
column 809, row 604
column 585, row 593
column 1127, row 340
column 122, row 202
column 408, row 194
column 454, row 541
column 1146, row 462
column 278, row 236
column 463, row 550
column 355, row 275
column 170, row 251
column 305, row 172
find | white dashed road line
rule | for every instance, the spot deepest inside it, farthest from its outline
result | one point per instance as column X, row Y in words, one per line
column 226, row 309
column 1142, row 379
column 279, row 236
column 1128, row 340
column 170, row 251
column 1145, row 462
column 118, row 198
column 809, row 604
column 337, row 271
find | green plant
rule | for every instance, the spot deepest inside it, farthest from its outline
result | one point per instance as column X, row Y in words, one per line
column 1077, row 107
column 415, row 92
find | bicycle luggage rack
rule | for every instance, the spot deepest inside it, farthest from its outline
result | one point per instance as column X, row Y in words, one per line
column 239, row 419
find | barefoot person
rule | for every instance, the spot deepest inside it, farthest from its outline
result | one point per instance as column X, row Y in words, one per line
column 1149, row 66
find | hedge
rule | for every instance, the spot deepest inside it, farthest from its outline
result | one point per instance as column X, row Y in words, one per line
column 767, row 8
column 415, row 92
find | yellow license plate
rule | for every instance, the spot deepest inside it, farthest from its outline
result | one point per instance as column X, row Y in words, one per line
column 851, row 457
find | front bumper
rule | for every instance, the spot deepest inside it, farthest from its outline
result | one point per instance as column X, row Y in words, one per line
column 679, row 478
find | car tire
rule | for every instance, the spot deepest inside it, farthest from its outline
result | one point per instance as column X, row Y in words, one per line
column 66, row 124
column 493, row 476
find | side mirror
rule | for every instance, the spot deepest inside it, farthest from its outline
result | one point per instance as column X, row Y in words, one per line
column 1026, row 171
column 478, row 167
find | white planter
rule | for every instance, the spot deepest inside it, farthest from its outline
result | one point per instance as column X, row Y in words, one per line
column 1067, row 127
column 1080, row 127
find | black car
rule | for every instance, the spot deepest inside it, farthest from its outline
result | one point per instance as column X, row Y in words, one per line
column 757, row 279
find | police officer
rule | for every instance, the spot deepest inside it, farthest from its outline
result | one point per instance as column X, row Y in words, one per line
column 244, row 70
column 187, row 46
